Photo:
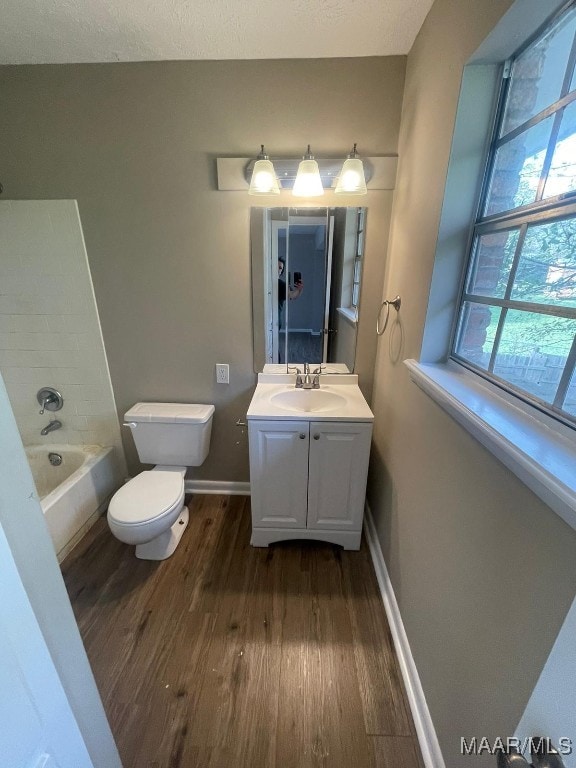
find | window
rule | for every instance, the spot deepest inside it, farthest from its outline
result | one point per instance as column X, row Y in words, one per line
column 352, row 259
column 517, row 318
column 358, row 252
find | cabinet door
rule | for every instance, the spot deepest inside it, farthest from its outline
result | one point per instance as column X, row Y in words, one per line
column 278, row 473
column 338, row 468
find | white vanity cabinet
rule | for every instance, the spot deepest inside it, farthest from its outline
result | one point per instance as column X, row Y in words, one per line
column 308, row 480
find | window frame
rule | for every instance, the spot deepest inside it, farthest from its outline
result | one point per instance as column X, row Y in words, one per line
column 541, row 210
column 358, row 259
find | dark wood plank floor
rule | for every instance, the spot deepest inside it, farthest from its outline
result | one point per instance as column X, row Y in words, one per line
column 226, row 655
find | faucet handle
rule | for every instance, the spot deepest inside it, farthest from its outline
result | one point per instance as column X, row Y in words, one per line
column 294, row 369
column 49, row 398
column 319, row 370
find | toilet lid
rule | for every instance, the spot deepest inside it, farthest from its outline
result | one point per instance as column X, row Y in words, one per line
column 147, row 496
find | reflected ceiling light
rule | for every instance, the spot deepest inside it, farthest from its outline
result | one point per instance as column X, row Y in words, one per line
column 263, row 181
column 352, row 180
column 308, row 182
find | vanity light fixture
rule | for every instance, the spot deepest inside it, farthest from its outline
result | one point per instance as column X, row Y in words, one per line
column 352, row 180
column 308, row 182
column 308, row 177
column 263, row 181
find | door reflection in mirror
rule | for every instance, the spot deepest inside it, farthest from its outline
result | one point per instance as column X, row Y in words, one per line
column 306, row 277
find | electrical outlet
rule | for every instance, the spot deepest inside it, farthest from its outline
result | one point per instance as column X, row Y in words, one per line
column 222, row 373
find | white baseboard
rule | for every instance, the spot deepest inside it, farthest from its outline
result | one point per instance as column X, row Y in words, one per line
column 425, row 731
column 217, row 486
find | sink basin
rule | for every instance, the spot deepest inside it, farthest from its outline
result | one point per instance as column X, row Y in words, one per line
column 308, row 400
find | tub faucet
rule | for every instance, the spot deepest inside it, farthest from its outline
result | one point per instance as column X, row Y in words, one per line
column 51, row 426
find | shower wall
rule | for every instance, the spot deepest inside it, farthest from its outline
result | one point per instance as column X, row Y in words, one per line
column 49, row 327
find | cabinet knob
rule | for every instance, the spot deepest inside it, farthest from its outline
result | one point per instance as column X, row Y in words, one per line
column 316, row 437
column 302, row 436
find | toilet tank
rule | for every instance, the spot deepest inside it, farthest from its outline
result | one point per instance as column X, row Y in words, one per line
column 172, row 434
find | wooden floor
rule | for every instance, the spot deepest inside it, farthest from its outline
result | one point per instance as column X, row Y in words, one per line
column 227, row 656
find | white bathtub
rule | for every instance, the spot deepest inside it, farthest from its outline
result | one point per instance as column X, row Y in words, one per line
column 75, row 493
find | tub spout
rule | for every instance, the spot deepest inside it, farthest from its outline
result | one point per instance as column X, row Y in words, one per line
column 51, row 426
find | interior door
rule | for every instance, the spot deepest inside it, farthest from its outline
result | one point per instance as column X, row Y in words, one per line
column 38, row 727
column 278, row 238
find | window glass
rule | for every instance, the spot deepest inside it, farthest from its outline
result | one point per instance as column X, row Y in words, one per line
column 477, row 333
column 517, row 169
column 546, row 272
column 538, row 74
column 533, row 350
column 493, row 257
column 562, row 174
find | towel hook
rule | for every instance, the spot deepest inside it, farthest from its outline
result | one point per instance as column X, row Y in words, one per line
column 396, row 303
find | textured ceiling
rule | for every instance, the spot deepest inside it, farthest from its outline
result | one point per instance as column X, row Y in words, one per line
column 67, row 31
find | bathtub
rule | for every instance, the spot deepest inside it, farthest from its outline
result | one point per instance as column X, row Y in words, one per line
column 75, row 493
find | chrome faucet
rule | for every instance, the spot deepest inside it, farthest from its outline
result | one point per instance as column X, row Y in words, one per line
column 298, row 373
column 316, row 381
column 308, row 382
column 51, row 426
column 50, row 399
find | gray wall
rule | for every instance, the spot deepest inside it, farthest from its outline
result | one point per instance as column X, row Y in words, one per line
column 483, row 571
column 136, row 144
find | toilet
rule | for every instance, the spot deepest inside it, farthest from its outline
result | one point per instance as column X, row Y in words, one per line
column 149, row 510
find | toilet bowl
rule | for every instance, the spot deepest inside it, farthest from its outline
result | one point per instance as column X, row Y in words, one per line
column 149, row 510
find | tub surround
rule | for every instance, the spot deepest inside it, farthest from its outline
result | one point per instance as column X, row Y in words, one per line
column 49, row 326
column 50, row 337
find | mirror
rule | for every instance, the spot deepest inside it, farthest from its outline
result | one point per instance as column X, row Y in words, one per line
column 306, row 279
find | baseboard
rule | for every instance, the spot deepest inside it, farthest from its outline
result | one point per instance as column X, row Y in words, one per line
column 425, row 731
column 217, row 486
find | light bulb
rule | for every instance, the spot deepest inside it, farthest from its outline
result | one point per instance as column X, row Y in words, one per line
column 352, row 180
column 308, row 182
column 264, row 181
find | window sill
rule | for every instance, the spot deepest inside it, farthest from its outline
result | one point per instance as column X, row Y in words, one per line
column 540, row 451
column 349, row 314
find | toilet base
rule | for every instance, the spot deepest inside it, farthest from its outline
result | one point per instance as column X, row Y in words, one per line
column 164, row 545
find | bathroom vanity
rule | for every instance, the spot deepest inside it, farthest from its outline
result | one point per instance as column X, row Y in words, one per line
column 309, row 451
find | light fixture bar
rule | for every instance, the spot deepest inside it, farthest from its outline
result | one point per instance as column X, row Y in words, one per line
column 287, row 169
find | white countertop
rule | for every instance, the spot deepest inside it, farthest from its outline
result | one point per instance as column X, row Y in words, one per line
column 353, row 408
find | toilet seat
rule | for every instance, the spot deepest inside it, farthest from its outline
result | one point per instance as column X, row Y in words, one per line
column 148, row 497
